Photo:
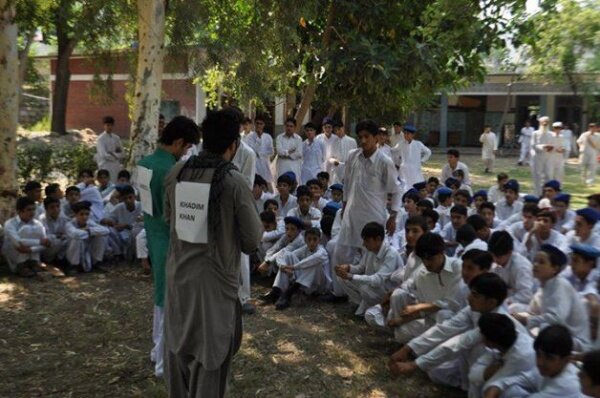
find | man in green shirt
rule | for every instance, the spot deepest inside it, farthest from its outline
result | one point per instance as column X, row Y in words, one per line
column 177, row 137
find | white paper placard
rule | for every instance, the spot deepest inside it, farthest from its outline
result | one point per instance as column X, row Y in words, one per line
column 191, row 211
column 144, row 176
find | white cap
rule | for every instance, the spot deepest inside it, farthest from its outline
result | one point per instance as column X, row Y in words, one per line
column 557, row 124
column 544, row 119
column 544, row 204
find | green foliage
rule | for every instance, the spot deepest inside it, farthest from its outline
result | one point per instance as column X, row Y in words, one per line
column 41, row 125
column 563, row 41
column 38, row 160
column 35, row 161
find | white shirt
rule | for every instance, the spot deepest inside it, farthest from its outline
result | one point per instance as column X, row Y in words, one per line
column 566, row 384
column 566, row 223
column 504, row 211
column 525, row 137
column 518, row 275
column 289, row 154
column 439, row 289
column 368, row 182
column 557, row 302
column 447, row 172
column 313, row 155
column 263, row 148
column 489, row 144
column 340, row 152
column 328, row 144
column 55, row 228
column 495, row 194
column 375, row 269
column 92, row 195
column 410, row 156
column 586, row 286
column 107, row 146
column 313, row 215
column 556, row 239
column 35, row 232
column 289, row 205
column 588, row 150
column 245, row 161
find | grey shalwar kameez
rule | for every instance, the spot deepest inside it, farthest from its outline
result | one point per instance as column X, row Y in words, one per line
column 202, row 310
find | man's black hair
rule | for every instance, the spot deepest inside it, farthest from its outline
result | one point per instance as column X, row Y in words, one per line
column 268, row 217
column 555, row 340
column 303, row 190
column 498, row 329
column 501, row 243
column 418, row 221
column 79, row 206
column 124, row 174
column 185, row 128
column 487, row 205
column 103, row 173
column 429, row 245
column 591, row 366
column 285, row 179
column 453, row 152
column 270, row 202
column 490, row 285
column 432, row 214
column 51, row 189
column 459, row 209
column 23, row 202
column 373, row 230
column 367, row 125
column 481, row 258
column 313, row 231
column 477, row 222
column 31, row 185
column 465, row 235
column 258, row 180
column 49, row 200
column 108, row 120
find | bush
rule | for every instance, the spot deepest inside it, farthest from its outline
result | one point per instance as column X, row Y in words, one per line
column 37, row 161
column 34, row 161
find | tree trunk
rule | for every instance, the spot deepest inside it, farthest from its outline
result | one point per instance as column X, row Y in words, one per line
column 309, row 91
column 24, row 61
column 9, row 108
column 148, row 83
column 60, row 94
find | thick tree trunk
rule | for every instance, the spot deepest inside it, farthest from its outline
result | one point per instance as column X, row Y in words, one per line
column 148, row 83
column 24, row 61
column 9, row 108
column 60, row 94
column 309, row 91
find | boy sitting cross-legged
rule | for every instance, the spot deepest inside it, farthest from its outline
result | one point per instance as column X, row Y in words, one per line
column 302, row 268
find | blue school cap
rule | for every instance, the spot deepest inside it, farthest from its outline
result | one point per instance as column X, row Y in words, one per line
column 420, row 185
column 482, row 192
column 585, row 250
column 337, row 187
column 451, row 181
column 331, row 208
column 290, row 174
column 513, row 185
column 531, row 199
column 409, row 128
column 554, row 184
column 591, row 215
column 556, row 252
column 444, row 191
column 563, row 197
column 294, row 220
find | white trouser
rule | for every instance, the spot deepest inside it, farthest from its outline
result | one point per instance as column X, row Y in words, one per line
column 312, row 279
column 86, row 251
column 375, row 318
column 555, row 167
column 342, row 254
column 524, row 156
column 589, row 165
column 538, row 172
column 14, row 258
column 244, row 288
column 362, row 294
column 399, row 300
column 141, row 247
column 56, row 251
column 158, row 351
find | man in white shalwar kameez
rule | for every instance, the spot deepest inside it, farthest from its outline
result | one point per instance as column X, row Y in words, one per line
column 340, row 154
column 555, row 166
column 245, row 161
column 289, row 150
column 109, row 150
column 262, row 144
column 489, row 146
column 525, row 142
column 328, row 140
column 313, row 155
column 589, row 149
column 370, row 177
column 540, row 147
column 411, row 153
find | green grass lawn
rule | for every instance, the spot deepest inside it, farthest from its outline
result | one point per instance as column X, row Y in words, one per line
column 572, row 184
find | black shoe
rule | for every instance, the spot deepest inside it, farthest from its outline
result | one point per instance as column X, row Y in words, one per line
column 248, row 309
column 520, row 163
column 100, row 268
column 282, row 303
column 71, row 271
column 331, row 298
column 272, row 296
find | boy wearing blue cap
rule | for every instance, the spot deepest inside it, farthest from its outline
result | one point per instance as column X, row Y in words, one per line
column 556, row 301
column 511, row 204
column 337, row 193
column 586, row 222
column 410, row 154
column 551, row 189
column 565, row 217
column 583, row 274
column 479, row 197
column 444, row 197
